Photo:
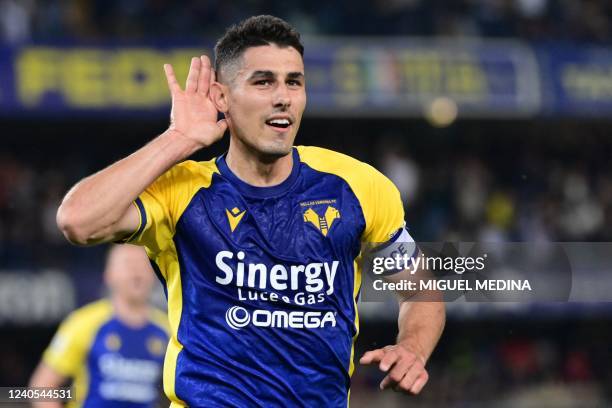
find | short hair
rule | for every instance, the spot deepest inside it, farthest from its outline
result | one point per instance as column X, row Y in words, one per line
column 254, row 32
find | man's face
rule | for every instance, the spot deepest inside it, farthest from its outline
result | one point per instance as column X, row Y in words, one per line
column 266, row 99
column 129, row 274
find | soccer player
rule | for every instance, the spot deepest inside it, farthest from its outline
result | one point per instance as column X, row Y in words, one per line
column 112, row 349
column 257, row 248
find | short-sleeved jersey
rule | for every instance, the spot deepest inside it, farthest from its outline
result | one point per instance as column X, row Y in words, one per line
column 111, row 364
column 262, row 282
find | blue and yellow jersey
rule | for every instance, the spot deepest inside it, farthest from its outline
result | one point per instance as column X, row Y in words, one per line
column 262, row 282
column 111, row 364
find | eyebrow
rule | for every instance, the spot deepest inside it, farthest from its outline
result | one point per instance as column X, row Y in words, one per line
column 270, row 74
column 295, row 75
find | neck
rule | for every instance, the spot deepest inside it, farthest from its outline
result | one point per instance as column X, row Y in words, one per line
column 256, row 169
column 134, row 314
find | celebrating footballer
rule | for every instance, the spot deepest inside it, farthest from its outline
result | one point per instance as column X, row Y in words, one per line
column 257, row 249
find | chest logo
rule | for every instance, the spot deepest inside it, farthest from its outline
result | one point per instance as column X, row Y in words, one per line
column 322, row 223
column 234, row 216
column 112, row 342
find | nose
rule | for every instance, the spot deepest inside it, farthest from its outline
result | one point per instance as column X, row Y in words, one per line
column 282, row 100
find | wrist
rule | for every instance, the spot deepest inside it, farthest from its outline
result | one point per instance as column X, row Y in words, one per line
column 415, row 349
column 179, row 144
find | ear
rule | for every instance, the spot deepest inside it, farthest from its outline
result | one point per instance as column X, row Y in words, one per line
column 218, row 96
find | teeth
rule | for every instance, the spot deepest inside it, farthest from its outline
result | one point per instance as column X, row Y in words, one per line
column 280, row 121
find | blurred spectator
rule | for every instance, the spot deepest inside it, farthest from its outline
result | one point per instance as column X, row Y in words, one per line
column 404, row 173
column 578, row 20
column 15, row 20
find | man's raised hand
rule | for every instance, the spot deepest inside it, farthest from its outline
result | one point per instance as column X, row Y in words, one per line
column 405, row 370
column 193, row 114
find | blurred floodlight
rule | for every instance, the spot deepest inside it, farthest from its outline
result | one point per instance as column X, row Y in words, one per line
column 441, row 112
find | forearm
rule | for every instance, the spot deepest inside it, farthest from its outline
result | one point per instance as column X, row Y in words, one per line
column 93, row 207
column 45, row 376
column 420, row 326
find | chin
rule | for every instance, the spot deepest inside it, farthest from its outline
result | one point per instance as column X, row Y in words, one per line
column 274, row 151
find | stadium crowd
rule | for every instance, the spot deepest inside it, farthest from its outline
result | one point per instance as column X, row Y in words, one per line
column 90, row 20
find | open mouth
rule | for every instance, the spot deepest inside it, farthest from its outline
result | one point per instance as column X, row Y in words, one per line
column 279, row 123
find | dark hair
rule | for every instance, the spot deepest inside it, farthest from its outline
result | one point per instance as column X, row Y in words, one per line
column 254, row 32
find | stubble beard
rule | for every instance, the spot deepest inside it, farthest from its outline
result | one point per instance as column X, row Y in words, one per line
column 267, row 152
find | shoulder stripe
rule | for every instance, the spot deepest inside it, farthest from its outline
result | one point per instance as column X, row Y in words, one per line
column 162, row 203
column 143, row 220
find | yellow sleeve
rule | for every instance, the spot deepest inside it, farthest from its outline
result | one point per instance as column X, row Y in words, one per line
column 384, row 210
column 66, row 353
column 163, row 202
column 380, row 200
column 69, row 348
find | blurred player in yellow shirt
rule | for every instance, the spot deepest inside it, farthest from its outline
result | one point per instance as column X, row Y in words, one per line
column 112, row 349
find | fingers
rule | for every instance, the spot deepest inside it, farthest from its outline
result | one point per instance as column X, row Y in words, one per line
column 410, row 377
column 205, row 74
column 171, row 78
column 397, row 372
column 198, row 79
column 419, row 383
column 194, row 74
column 372, row 356
column 405, row 370
column 411, row 384
column 390, row 358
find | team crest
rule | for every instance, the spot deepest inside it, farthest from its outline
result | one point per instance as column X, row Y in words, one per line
column 321, row 222
column 155, row 345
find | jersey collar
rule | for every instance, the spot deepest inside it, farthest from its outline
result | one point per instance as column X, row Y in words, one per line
column 261, row 192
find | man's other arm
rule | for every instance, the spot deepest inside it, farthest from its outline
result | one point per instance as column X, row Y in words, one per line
column 421, row 321
column 99, row 208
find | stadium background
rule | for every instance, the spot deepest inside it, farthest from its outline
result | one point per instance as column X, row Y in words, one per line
column 492, row 117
